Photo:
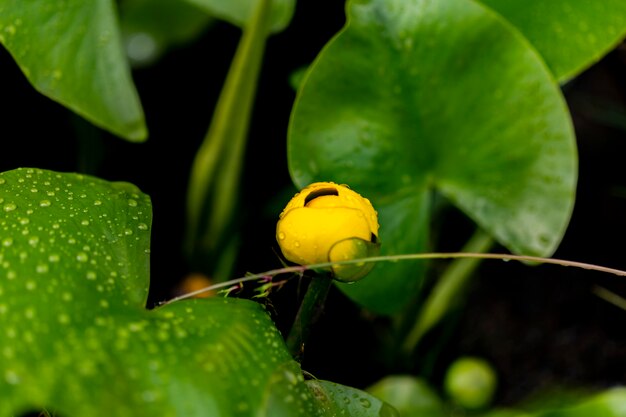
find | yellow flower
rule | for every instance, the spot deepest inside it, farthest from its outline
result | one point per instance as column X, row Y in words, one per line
column 327, row 222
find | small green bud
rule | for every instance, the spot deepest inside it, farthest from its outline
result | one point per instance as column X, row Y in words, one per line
column 470, row 383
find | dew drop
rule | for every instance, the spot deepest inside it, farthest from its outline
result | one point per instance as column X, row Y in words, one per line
column 97, row 203
column 132, row 203
column 91, row 275
column 365, row 402
column 85, row 223
column 7, row 241
column 128, row 232
column 54, row 258
column 297, row 244
column 44, row 203
column 281, row 236
column 9, row 207
column 142, row 226
column 82, row 257
column 2, row 181
column 42, row 268
column 11, row 377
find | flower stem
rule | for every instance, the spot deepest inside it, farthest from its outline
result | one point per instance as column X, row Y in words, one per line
column 447, row 290
column 309, row 312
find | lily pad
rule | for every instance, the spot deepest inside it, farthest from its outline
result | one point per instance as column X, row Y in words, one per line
column 416, row 96
column 77, row 340
column 71, row 52
column 571, row 35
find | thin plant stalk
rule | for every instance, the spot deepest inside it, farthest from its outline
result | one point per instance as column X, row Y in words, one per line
column 447, row 290
column 310, row 310
column 217, row 166
column 299, row 269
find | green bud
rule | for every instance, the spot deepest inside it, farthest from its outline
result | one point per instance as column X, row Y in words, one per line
column 470, row 383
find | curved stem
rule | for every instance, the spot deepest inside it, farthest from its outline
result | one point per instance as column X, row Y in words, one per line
column 309, row 312
column 447, row 290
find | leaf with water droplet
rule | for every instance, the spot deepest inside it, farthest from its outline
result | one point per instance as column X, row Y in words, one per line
column 490, row 131
column 339, row 399
column 76, row 336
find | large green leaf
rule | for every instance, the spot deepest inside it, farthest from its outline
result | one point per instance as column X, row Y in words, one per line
column 71, row 51
column 239, row 12
column 414, row 95
column 570, row 34
column 76, row 339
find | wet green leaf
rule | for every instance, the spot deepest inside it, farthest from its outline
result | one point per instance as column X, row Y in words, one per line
column 416, row 95
column 71, row 51
column 77, row 340
column 569, row 34
column 336, row 400
column 239, row 12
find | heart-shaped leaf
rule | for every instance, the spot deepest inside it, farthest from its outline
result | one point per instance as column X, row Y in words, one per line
column 76, row 339
column 71, row 51
column 413, row 95
column 569, row 34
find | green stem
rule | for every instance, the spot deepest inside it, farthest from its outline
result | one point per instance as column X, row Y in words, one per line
column 447, row 290
column 217, row 167
column 309, row 311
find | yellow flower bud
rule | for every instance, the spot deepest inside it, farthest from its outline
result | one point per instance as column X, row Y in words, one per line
column 327, row 222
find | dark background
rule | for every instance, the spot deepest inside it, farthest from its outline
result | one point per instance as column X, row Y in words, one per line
column 540, row 326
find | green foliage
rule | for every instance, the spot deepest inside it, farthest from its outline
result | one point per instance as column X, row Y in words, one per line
column 72, row 52
column 395, row 117
column 78, row 340
column 411, row 101
column 570, row 35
